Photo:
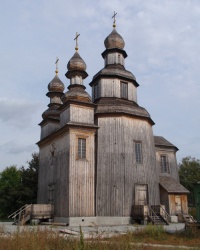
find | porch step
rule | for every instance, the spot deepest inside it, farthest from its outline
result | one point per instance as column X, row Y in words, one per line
column 157, row 220
column 189, row 218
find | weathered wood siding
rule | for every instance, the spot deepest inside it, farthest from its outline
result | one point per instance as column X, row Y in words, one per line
column 82, row 174
column 111, row 88
column 55, row 170
column 164, row 199
column 172, row 204
column 117, row 171
column 114, row 58
column 48, row 128
column 171, row 158
column 78, row 114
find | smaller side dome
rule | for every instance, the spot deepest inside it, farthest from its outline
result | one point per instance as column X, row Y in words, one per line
column 114, row 40
column 76, row 63
column 56, row 85
column 51, row 112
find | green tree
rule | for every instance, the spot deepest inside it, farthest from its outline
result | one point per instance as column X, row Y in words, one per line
column 18, row 186
column 10, row 180
column 189, row 172
column 29, row 181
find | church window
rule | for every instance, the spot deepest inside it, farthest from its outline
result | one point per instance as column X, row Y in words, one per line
column 96, row 91
column 164, row 164
column 138, row 152
column 124, row 90
column 81, row 148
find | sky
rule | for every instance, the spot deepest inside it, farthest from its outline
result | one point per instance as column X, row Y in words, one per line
column 162, row 40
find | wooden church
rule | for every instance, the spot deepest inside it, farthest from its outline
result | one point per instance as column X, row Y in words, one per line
column 99, row 160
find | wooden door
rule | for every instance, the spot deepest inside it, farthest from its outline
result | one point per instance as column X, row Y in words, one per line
column 141, row 195
column 178, row 204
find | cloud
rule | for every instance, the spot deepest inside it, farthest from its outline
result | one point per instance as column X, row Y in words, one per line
column 12, row 147
column 18, row 112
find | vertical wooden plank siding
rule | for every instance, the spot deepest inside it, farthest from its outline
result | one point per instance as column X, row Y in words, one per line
column 111, row 88
column 48, row 128
column 117, row 171
column 164, row 200
column 55, row 170
column 171, row 158
column 81, row 181
column 77, row 113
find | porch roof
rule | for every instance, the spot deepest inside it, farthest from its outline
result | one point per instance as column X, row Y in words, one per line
column 171, row 185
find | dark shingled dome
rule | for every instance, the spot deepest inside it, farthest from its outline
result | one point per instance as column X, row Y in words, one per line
column 76, row 93
column 56, row 85
column 114, row 40
column 76, row 63
column 51, row 112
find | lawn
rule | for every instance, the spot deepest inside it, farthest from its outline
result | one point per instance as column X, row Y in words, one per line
column 33, row 238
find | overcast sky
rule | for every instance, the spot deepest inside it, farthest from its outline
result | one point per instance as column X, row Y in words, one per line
column 162, row 40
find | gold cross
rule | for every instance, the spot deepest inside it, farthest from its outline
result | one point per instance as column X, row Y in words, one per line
column 56, row 65
column 76, row 38
column 114, row 22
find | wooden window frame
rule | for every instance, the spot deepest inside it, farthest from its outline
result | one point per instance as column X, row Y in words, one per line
column 124, row 90
column 164, row 165
column 81, row 148
column 138, row 152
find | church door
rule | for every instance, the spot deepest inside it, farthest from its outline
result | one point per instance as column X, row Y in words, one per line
column 141, row 195
column 178, row 204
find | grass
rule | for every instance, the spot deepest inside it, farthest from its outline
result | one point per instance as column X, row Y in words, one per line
column 34, row 238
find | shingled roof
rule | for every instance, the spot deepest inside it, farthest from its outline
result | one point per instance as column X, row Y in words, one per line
column 162, row 142
column 171, row 185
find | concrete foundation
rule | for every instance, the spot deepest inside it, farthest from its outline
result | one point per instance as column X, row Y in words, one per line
column 92, row 221
column 174, row 219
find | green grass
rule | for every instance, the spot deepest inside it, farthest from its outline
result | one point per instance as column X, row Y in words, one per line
column 35, row 238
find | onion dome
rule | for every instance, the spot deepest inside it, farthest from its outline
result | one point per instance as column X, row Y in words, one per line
column 56, row 85
column 76, row 63
column 51, row 112
column 114, row 40
column 76, row 93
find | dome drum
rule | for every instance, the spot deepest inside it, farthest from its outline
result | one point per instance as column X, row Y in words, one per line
column 74, row 73
column 113, row 50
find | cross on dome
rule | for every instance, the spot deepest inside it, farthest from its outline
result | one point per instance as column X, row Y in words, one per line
column 57, row 59
column 76, row 38
column 114, row 22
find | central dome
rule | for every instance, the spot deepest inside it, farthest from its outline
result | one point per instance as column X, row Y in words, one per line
column 114, row 40
column 76, row 63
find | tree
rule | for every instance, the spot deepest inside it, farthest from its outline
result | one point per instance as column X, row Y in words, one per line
column 10, row 180
column 189, row 172
column 18, row 186
column 29, row 181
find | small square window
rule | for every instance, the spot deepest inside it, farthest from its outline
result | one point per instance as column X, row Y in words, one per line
column 138, row 152
column 124, row 90
column 81, row 148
